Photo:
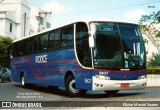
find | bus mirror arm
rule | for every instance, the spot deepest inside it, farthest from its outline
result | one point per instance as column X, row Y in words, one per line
column 91, row 45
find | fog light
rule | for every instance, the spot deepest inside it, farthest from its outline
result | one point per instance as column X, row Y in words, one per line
column 108, row 78
column 142, row 77
column 102, row 77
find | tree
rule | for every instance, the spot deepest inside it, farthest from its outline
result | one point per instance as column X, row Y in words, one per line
column 148, row 25
column 5, row 50
column 154, row 61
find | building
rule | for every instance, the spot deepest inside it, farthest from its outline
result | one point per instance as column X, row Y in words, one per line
column 18, row 19
column 14, row 18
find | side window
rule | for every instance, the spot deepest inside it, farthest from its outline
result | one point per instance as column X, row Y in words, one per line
column 25, row 44
column 82, row 44
column 21, row 49
column 54, row 39
column 13, row 52
column 35, row 44
column 30, row 45
column 67, row 36
column 15, row 49
column 43, row 41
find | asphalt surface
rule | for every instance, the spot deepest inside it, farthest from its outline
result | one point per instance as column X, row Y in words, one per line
column 11, row 91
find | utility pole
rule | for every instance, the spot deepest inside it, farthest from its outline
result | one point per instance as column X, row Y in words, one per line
column 39, row 19
column 44, row 19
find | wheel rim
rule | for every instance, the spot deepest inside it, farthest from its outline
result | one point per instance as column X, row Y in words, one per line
column 72, row 87
column 10, row 79
column 22, row 81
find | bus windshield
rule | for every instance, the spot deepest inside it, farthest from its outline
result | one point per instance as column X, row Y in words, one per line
column 118, row 46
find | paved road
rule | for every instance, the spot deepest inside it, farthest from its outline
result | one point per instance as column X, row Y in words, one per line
column 12, row 91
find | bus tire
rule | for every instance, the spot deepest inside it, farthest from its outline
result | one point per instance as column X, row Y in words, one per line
column 111, row 93
column 10, row 79
column 0, row 79
column 70, row 87
column 23, row 82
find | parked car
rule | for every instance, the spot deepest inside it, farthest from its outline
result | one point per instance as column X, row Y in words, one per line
column 5, row 74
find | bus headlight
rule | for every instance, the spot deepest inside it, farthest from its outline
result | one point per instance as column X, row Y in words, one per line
column 142, row 77
column 102, row 77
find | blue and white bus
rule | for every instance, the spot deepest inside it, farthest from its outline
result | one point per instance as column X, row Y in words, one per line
column 99, row 55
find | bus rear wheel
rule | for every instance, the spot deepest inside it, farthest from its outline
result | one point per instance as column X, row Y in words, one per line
column 23, row 83
column 71, row 89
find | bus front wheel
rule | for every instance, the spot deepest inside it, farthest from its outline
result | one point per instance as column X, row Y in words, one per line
column 71, row 89
column 111, row 93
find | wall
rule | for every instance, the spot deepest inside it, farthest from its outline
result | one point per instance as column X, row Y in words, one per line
column 153, row 80
column 17, row 9
column 2, row 27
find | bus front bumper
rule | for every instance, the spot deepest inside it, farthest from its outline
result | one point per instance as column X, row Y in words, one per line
column 109, row 85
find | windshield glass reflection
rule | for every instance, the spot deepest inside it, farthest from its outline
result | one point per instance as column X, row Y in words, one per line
column 118, row 45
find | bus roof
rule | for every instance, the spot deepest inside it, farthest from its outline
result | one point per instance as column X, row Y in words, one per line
column 87, row 20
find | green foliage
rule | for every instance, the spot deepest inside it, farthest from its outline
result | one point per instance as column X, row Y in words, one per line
column 153, row 70
column 5, row 44
column 148, row 25
column 154, row 17
column 154, row 61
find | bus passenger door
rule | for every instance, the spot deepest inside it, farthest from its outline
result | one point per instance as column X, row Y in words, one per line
column 83, row 53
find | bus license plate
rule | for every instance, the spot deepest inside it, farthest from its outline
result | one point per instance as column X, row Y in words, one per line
column 124, row 85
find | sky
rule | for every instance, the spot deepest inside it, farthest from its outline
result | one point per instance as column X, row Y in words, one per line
column 64, row 11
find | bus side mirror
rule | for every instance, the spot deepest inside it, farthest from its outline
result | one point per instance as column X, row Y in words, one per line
column 146, row 43
column 91, row 42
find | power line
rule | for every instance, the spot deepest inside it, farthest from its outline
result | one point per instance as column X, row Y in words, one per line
column 128, row 6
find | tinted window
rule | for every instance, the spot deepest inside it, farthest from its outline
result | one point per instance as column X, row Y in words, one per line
column 30, row 45
column 82, row 44
column 25, row 46
column 44, row 41
column 35, row 45
column 67, row 37
column 21, row 49
column 108, row 51
column 15, row 49
column 54, row 39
